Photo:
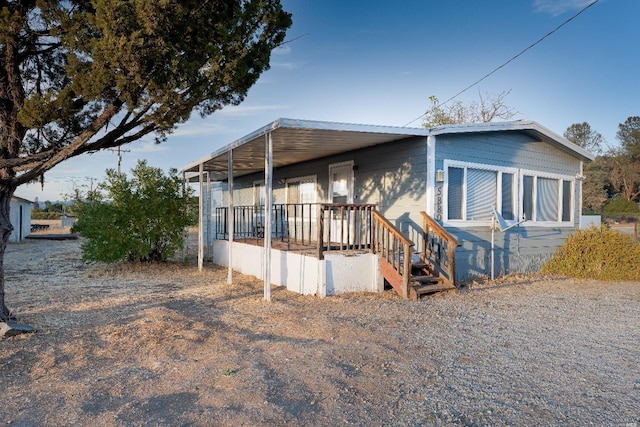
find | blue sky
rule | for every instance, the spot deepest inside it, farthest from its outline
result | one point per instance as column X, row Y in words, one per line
column 359, row 61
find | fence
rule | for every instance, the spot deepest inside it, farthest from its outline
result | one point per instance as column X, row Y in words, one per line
column 67, row 221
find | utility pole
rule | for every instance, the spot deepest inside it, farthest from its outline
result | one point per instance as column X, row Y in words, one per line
column 119, row 152
column 119, row 159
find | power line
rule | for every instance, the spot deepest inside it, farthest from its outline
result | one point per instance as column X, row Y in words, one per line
column 513, row 58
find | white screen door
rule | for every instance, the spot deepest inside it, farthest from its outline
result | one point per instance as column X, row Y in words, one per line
column 341, row 182
column 341, row 191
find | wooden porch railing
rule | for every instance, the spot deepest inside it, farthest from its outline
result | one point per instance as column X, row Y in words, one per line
column 326, row 226
column 394, row 249
column 343, row 227
column 439, row 249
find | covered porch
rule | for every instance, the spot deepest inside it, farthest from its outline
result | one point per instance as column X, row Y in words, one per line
column 323, row 248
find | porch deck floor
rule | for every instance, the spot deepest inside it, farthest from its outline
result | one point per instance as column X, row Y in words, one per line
column 307, row 250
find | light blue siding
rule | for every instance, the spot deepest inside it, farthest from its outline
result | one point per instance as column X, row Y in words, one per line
column 518, row 250
column 506, row 149
column 393, row 176
column 525, row 248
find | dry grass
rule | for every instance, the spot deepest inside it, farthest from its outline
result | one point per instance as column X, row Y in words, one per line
column 168, row 345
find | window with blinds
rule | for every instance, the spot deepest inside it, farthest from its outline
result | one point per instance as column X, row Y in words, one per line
column 472, row 190
column 482, row 190
column 547, row 199
column 456, row 186
column 472, row 193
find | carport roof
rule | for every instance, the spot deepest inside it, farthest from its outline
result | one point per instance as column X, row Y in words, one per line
column 295, row 141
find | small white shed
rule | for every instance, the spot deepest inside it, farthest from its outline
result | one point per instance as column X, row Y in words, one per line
column 20, row 218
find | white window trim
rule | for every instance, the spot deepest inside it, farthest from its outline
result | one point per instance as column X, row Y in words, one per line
column 518, row 194
column 538, row 174
column 465, row 165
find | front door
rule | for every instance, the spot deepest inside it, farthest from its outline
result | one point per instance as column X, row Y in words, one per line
column 341, row 182
column 341, row 192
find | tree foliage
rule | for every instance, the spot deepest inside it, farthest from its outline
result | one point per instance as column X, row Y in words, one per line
column 70, row 68
column 487, row 109
column 595, row 188
column 137, row 219
column 624, row 175
column 625, row 163
column 79, row 76
column 51, row 210
column 581, row 134
column 594, row 191
column 629, row 136
column 616, row 170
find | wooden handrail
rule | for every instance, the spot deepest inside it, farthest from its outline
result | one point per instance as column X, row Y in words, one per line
column 394, row 249
column 353, row 227
column 395, row 230
column 432, row 223
column 435, row 237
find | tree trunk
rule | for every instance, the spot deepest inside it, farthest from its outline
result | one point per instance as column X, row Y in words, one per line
column 5, row 233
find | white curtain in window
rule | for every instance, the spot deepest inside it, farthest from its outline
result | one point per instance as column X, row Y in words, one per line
column 301, row 197
column 301, row 190
column 307, row 192
column 482, row 189
column 547, row 200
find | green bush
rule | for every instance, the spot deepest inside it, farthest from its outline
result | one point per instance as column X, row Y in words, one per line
column 620, row 208
column 597, row 253
column 142, row 219
column 45, row 215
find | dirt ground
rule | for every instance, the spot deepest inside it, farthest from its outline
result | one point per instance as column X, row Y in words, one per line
column 168, row 345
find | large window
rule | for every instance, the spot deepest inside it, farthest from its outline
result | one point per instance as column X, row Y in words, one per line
column 473, row 190
column 547, row 198
column 301, row 190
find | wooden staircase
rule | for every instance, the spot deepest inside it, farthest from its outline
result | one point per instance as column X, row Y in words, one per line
column 435, row 272
column 424, row 281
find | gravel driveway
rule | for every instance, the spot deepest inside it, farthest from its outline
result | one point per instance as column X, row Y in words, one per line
column 167, row 345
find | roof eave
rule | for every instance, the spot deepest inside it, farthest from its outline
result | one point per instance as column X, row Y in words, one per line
column 517, row 125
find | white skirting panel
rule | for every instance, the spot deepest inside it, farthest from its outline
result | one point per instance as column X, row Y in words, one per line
column 306, row 275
